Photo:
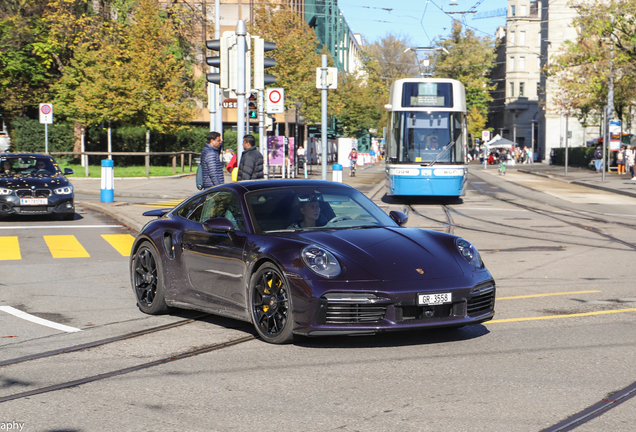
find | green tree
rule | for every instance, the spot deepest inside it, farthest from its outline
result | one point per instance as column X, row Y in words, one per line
column 359, row 109
column 296, row 55
column 468, row 58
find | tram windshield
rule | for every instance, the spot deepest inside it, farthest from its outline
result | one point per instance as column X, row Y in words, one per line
column 422, row 137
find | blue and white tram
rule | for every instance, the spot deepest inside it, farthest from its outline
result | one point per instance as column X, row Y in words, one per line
column 426, row 138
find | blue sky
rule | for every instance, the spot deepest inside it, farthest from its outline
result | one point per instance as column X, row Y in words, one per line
column 420, row 20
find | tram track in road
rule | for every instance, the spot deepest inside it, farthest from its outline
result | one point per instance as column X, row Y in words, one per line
column 120, row 371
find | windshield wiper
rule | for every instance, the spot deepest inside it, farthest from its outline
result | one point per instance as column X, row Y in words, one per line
column 444, row 150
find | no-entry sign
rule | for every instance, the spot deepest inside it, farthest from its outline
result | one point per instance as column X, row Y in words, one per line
column 275, row 101
column 46, row 113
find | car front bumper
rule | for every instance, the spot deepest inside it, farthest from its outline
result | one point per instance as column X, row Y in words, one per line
column 55, row 204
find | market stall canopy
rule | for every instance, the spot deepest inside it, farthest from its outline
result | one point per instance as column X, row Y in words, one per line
column 499, row 142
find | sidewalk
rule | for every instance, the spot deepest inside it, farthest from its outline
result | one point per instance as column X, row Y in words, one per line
column 369, row 180
column 614, row 183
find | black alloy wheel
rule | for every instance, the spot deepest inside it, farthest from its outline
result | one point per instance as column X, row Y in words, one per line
column 147, row 280
column 270, row 301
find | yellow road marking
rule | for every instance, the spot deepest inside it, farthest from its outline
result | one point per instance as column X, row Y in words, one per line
column 171, row 203
column 65, row 246
column 9, row 248
column 121, row 242
column 546, row 295
column 563, row 316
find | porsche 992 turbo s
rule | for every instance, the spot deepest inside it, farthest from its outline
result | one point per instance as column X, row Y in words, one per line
column 306, row 257
column 33, row 184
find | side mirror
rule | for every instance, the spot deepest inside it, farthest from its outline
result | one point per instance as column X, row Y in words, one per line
column 219, row 224
column 68, row 171
column 399, row 217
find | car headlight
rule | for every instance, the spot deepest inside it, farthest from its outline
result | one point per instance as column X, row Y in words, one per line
column 64, row 190
column 4, row 191
column 321, row 261
column 469, row 252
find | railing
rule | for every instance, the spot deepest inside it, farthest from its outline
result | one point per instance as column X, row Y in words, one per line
column 84, row 156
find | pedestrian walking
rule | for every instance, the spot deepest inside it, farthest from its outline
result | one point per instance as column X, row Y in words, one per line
column 598, row 159
column 251, row 164
column 620, row 160
column 211, row 161
column 630, row 156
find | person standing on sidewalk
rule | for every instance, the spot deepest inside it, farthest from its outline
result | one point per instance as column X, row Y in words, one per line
column 598, row 159
column 620, row 160
column 211, row 162
column 251, row 164
column 629, row 161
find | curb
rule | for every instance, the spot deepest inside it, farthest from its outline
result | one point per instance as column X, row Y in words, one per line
column 126, row 220
column 582, row 183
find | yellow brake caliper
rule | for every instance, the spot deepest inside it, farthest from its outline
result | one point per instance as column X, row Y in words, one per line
column 266, row 291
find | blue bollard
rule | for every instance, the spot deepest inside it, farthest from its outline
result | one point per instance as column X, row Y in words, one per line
column 337, row 173
column 108, row 181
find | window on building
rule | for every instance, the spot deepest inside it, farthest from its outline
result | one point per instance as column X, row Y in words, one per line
column 511, row 37
column 522, row 63
column 522, row 38
column 521, row 88
column 539, row 40
column 523, row 9
column 512, row 64
column 513, row 10
column 512, row 89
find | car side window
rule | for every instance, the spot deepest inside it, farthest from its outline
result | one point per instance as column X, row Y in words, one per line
column 192, row 210
column 223, row 204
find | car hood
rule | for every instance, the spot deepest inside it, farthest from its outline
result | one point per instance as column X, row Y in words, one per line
column 389, row 253
column 24, row 182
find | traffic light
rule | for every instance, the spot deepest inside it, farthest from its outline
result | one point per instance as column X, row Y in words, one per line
column 220, row 78
column 252, row 107
column 261, row 79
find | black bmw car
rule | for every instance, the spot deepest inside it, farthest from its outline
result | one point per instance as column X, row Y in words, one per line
column 33, row 184
column 306, row 257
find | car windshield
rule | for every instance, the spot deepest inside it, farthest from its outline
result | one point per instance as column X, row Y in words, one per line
column 29, row 166
column 308, row 208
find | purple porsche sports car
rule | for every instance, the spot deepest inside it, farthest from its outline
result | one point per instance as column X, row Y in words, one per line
column 306, row 257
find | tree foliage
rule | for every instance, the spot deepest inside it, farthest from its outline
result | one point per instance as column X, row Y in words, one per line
column 468, row 58
column 582, row 67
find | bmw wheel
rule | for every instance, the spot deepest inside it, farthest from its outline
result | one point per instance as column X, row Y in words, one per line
column 270, row 302
column 147, row 280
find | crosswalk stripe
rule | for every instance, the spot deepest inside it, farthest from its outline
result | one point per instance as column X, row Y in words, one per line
column 121, row 242
column 65, row 246
column 9, row 248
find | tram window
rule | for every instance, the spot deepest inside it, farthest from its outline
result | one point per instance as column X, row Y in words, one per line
column 427, row 95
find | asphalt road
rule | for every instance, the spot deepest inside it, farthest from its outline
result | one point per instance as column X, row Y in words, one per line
column 562, row 339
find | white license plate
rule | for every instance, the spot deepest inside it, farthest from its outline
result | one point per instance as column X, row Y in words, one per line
column 34, row 201
column 434, row 299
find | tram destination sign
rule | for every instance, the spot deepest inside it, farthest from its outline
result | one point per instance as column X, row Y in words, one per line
column 427, row 101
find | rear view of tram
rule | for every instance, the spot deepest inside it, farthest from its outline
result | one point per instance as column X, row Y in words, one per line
column 426, row 138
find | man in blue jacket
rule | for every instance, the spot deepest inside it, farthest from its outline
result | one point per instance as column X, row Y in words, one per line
column 211, row 163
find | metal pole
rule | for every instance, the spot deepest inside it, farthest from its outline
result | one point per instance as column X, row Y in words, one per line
column 610, row 99
column 262, row 138
column 241, row 32
column 218, row 118
column 323, row 121
column 46, row 138
column 567, row 118
column 532, row 143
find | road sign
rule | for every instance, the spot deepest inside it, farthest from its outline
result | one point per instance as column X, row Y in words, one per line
column 332, row 78
column 485, row 136
column 46, row 113
column 275, row 101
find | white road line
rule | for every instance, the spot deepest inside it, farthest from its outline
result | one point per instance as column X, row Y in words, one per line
column 58, row 226
column 18, row 313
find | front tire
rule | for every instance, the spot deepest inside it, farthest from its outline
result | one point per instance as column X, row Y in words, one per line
column 270, row 305
column 147, row 280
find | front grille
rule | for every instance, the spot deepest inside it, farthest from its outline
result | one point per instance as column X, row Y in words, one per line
column 350, row 313
column 481, row 303
column 413, row 312
column 31, row 193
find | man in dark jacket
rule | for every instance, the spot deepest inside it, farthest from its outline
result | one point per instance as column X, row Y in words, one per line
column 211, row 163
column 251, row 164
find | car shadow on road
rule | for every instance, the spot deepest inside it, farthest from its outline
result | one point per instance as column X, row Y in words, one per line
column 417, row 200
column 397, row 339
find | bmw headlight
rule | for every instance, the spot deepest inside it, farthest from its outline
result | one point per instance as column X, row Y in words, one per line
column 66, row 190
column 4, row 191
column 469, row 252
column 321, row 261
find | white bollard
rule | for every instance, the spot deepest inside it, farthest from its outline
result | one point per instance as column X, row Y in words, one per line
column 337, row 173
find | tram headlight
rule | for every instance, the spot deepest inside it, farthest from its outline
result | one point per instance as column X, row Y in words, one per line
column 321, row 261
column 469, row 252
